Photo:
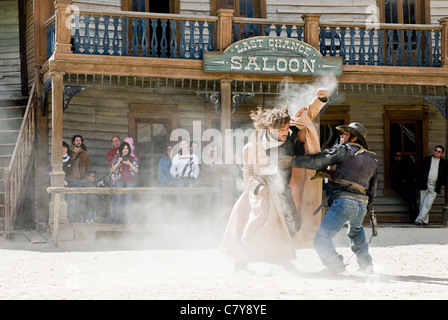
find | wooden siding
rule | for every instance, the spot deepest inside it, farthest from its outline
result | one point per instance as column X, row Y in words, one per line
column 439, row 9
column 331, row 10
column 286, row 10
column 31, row 64
column 102, row 5
column 9, row 50
column 99, row 113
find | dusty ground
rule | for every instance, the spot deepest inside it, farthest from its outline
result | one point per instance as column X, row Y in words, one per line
column 410, row 263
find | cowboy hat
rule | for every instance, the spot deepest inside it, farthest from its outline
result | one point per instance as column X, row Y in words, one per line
column 356, row 129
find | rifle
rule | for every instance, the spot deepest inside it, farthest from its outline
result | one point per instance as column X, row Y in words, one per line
column 372, row 218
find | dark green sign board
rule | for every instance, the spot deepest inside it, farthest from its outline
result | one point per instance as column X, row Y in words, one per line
column 272, row 55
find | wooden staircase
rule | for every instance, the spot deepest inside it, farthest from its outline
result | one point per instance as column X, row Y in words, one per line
column 11, row 116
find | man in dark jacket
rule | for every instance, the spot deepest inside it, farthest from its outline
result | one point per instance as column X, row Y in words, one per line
column 402, row 180
column 432, row 174
column 353, row 184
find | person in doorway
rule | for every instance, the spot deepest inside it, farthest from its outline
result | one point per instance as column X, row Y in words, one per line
column 402, row 180
column 353, row 183
column 212, row 171
column 124, row 169
column 81, row 165
column 185, row 166
column 432, row 175
column 264, row 218
column 185, row 170
column 93, row 199
column 163, row 169
column 116, row 141
column 194, row 149
column 130, row 141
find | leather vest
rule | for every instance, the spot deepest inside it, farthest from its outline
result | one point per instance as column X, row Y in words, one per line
column 357, row 168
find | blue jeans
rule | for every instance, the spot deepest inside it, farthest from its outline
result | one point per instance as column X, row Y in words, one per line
column 427, row 198
column 343, row 210
column 122, row 204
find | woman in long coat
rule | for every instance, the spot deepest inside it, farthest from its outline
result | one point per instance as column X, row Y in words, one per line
column 257, row 229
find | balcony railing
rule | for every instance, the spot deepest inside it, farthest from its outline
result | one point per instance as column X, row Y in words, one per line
column 388, row 45
column 180, row 37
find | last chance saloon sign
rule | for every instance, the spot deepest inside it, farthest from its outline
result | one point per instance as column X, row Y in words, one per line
column 272, row 55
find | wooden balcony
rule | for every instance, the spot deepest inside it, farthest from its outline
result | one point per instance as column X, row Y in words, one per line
column 141, row 44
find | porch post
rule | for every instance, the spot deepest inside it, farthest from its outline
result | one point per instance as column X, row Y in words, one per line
column 42, row 152
column 226, row 124
column 224, row 32
column 63, row 35
column 311, row 29
column 446, row 130
column 57, row 174
column 444, row 42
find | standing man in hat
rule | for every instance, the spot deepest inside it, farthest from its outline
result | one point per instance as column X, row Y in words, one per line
column 353, row 183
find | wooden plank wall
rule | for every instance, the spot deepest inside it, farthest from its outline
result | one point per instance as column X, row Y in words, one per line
column 439, row 9
column 287, row 10
column 99, row 113
column 9, row 50
column 31, row 64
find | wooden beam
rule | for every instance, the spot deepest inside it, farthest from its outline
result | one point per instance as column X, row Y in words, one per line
column 178, row 69
column 444, row 42
column 224, row 31
column 63, row 35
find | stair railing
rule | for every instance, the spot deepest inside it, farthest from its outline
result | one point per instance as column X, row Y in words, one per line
column 18, row 171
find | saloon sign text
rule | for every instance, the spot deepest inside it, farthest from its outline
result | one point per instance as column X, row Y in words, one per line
column 272, row 55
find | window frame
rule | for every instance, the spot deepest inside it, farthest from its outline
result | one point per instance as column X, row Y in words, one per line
column 126, row 5
column 334, row 115
column 151, row 113
column 409, row 114
column 259, row 8
column 422, row 7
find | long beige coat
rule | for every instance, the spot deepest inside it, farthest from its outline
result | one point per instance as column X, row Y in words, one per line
column 307, row 193
column 257, row 230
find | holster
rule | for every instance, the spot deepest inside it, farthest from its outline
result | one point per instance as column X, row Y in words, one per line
column 372, row 218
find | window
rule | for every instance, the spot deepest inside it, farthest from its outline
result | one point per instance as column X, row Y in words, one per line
column 242, row 8
column 404, row 11
column 156, row 6
column 171, row 6
column 332, row 117
column 404, row 132
column 151, row 127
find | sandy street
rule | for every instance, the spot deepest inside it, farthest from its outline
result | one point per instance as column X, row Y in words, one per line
column 410, row 263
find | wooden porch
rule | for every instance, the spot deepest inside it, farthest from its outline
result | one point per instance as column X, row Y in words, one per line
column 125, row 44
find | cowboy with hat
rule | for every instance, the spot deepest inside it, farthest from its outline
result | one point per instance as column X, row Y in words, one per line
column 358, row 130
column 353, row 185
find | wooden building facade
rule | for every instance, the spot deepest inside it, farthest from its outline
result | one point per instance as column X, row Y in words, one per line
column 137, row 68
